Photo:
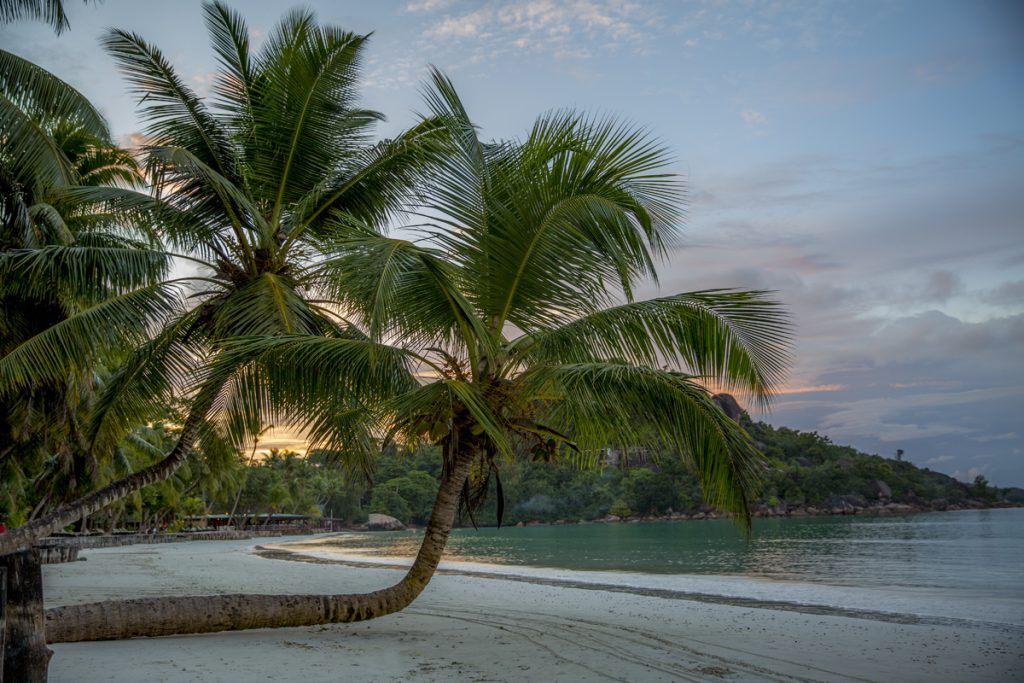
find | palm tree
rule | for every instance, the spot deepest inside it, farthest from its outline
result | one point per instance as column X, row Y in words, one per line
column 53, row 144
column 253, row 190
column 61, row 144
column 510, row 314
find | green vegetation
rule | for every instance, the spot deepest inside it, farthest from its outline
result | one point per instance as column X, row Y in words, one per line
column 806, row 470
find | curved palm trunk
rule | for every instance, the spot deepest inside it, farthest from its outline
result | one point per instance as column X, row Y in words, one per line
column 24, row 536
column 203, row 614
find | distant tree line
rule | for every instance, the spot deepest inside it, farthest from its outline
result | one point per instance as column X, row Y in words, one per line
column 805, row 469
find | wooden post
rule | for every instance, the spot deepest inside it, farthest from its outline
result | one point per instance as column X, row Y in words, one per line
column 26, row 656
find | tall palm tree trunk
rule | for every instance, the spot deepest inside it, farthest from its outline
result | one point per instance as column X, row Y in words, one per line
column 23, row 537
column 203, row 614
column 25, row 657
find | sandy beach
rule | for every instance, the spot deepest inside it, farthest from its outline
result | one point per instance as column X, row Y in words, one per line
column 485, row 627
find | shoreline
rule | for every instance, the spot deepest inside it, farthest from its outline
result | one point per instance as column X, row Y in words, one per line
column 292, row 552
column 711, row 515
column 763, row 511
column 103, row 540
column 476, row 628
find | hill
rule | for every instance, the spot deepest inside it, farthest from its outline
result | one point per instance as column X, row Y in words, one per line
column 807, row 474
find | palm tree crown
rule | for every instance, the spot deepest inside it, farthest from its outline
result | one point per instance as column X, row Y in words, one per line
column 253, row 189
column 506, row 313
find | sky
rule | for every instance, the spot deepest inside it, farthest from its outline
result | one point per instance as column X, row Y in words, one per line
column 863, row 159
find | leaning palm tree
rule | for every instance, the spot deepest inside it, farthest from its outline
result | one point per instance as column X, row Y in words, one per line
column 252, row 190
column 54, row 142
column 514, row 319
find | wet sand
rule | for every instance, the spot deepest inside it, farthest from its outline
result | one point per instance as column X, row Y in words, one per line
column 475, row 626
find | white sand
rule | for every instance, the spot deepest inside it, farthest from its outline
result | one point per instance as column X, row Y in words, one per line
column 467, row 628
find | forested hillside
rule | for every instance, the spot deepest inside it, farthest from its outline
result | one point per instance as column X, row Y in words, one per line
column 807, row 474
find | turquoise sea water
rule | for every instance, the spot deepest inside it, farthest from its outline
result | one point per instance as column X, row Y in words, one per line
column 967, row 561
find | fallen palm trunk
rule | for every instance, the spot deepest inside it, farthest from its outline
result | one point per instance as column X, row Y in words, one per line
column 114, row 620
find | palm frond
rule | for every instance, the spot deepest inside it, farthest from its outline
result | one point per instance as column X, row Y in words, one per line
column 176, row 116
column 399, row 290
column 371, row 184
column 219, row 454
column 266, row 305
column 202, row 189
column 601, row 405
column 736, row 340
column 544, row 226
column 108, row 165
column 32, row 153
column 72, row 344
column 230, row 37
column 445, row 105
column 183, row 229
column 40, row 92
column 81, row 272
column 48, row 227
column 305, row 117
column 329, row 388
column 483, row 415
column 49, row 11
column 144, row 384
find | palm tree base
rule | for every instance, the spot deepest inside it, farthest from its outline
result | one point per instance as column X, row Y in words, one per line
column 22, row 637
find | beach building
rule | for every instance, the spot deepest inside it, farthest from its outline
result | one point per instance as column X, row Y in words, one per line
column 280, row 521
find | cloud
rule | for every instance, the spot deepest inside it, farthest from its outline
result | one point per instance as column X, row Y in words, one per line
column 428, row 5
column 810, row 389
column 580, row 53
column 933, row 383
column 465, row 26
column 203, row 82
column 942, row 285
column 938, row 459
column 970, row 475
column 1006, row 294
column 940, row 71
column 397, row 73
column 134, row 141
column 753, row 119
column 903, row 274
column 567, row 29
column 281, row 439
column 1007, row 436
